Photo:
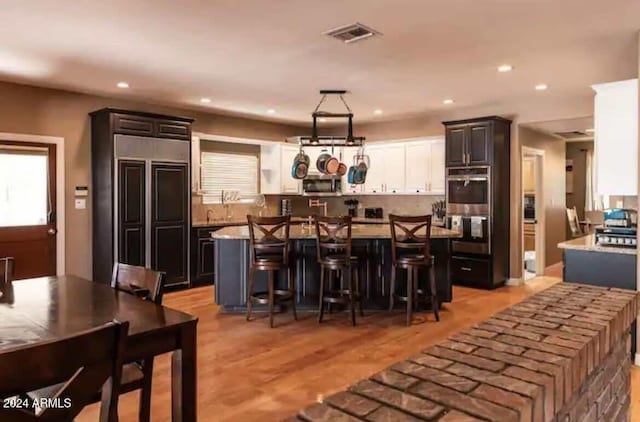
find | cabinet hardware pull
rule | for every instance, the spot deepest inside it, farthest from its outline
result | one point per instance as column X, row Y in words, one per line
column 465, row 268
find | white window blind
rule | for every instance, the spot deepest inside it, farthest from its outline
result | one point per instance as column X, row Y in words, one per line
column 228, row 172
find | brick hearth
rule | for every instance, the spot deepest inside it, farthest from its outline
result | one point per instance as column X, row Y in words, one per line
column 560, row 355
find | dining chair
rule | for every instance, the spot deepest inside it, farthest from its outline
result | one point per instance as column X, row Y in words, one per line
column 411, row 251
column 78, row 367
column 574, row 222
column 147, row 285
column 269, row 251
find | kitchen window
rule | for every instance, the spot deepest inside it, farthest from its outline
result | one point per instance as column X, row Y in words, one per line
column 227, row 172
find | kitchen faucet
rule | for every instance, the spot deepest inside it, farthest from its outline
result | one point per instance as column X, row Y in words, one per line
column 319, row 204
column 208, row 219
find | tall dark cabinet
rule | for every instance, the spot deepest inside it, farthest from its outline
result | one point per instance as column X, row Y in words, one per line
column 141, row 192
column 476, row 149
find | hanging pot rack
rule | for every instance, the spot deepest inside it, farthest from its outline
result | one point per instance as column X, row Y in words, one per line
column 330, row 141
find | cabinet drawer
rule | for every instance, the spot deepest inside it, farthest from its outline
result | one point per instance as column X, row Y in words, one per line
column 172, row 129
column 132, row 125
column 469, row 269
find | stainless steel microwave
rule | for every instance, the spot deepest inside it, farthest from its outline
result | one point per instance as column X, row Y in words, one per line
column 322, row 185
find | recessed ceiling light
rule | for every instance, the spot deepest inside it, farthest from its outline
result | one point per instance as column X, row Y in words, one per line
column 123, row 85
column 271, row 111
column 592, row 130
column 505, row 68
column 205, row 100
column 377, row 111
column 448, row 101
column 541, row 87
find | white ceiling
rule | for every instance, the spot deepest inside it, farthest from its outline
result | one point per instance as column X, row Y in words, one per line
column 252, row 55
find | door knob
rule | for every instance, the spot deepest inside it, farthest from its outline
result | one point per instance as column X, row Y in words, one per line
column 52, row 231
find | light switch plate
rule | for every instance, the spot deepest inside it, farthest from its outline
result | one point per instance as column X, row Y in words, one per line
column 81, row 204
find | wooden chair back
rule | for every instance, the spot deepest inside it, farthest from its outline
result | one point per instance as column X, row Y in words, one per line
column 84, row 364
column 6, row 273
column 139, row 281
column 410, row 234
column 574, row 222
column 269, row 236
column 333, row 236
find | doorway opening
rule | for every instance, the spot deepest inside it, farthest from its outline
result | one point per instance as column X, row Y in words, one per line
column 32, row 204
column 533, row 219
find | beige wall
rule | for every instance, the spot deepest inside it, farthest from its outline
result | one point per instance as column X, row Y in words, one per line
column 554, row 190
column 577, row 151
column 39, row 111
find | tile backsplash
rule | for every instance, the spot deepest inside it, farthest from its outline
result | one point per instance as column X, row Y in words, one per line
column 391, row 204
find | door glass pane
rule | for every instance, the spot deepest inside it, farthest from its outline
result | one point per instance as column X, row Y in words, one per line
column 23, row 189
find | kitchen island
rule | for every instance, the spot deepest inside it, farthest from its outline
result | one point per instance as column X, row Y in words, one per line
column 586, row 262
column 371, row 243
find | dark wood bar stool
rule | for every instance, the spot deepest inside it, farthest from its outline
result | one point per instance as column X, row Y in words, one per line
column 269, row 250
column 411, row 251
column 333, row 241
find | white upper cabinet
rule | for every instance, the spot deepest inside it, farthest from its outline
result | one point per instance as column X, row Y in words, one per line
column 289, row 184
column 414, row 167
column 437, row 171
column 376, row 173
column 394, row 164
column 616, row 138
column 417, row 167
column 424, row 170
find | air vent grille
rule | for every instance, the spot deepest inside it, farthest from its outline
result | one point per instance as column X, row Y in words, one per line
column 573, row 134
column 352, row 33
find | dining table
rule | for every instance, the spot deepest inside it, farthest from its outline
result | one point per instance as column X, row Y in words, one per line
column 50, row 308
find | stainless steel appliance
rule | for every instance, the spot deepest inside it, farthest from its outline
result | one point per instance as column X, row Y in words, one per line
column 468, row 191
column 373, row 212
column 474, row 234
column 322, row 185
column 619, row 229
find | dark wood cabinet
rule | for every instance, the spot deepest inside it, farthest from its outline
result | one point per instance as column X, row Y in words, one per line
column 203, row 256
column 455, row 146
column 232, row 270
column 478, row 147
column 141, row 186
column 468, row 144
column 170, row 220
column 483, row 142
column 131, row 212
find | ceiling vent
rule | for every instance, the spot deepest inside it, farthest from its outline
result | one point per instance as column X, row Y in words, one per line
column 352, row 33
column 575, row 134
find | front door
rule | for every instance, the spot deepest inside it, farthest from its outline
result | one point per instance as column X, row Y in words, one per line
column 28, row 207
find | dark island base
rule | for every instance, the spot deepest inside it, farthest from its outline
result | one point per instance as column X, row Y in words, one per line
column 602, row 269
column 232, row 270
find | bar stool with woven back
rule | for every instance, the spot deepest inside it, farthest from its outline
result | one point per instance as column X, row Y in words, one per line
column 269, row 251
column 411, row 251
column 333, row 241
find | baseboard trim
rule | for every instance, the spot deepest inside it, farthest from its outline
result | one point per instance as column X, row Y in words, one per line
column 516, row 281
column 636, row 361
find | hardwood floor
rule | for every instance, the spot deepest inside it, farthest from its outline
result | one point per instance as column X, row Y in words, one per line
column 249, row 372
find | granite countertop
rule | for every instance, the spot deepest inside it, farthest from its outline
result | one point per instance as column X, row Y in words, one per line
column 588, row 243
column 243, row 221
column 358, row 231
column 537, row 360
